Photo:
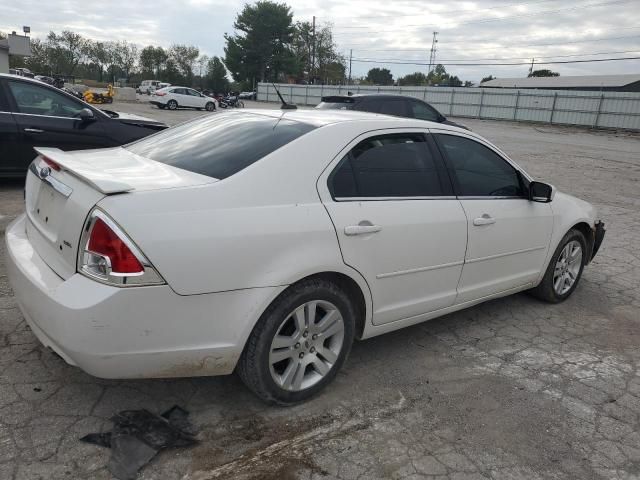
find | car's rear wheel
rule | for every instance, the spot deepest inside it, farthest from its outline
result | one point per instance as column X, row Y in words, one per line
column 172, row 104
column 210, row 107
column 299, row 343
column 564, row 270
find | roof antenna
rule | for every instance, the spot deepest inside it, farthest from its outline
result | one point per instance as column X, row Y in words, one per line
column 285, row 105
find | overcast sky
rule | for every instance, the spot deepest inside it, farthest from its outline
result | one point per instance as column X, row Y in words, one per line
column 384, row 30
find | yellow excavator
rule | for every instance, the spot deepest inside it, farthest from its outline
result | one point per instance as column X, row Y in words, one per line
column 99, row 98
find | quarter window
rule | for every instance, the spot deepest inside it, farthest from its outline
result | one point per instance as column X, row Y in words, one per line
column 36, row 100
column 396, row 165
column 480, row 171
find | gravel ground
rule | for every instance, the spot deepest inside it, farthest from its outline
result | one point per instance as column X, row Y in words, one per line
column 510, row 389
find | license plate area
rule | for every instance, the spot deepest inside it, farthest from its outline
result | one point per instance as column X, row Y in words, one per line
column 46, row 206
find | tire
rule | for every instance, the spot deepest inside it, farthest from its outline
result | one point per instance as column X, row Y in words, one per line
column 552, row 288
column 210, row 107
column 259, row 366
column 172, row 105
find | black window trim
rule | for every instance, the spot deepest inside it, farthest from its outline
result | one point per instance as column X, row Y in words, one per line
column 523, row 177
column 441, row 170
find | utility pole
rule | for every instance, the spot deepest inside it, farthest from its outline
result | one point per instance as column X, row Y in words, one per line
column 432, row 56
column 531, row 68
column 350, row 57
column 313, row 54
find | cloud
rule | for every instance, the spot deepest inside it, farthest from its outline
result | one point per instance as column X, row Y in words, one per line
column 374, row 29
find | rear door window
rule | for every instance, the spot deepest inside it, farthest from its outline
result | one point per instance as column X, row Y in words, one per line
column 37, row 100
column 221, row 145
column 393, row 165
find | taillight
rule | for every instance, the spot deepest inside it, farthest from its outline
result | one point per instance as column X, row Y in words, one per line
column 50, row 163
column 107, row 254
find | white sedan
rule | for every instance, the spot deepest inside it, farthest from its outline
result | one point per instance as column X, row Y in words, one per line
column 265, row 242
column 174, row 97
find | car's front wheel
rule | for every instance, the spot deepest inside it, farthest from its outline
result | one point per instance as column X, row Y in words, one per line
column 210, row 107
column 564, row 270
column 299, row 343
column 172, row 104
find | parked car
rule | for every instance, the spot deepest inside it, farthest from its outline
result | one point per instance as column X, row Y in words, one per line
column 147, row 86
column 34, row 114
column 397, row 105
column 180, row 97
column 248, row 95
column 45, row 79
column 264, row 242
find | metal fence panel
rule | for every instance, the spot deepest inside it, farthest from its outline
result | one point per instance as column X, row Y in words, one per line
column 620, row 110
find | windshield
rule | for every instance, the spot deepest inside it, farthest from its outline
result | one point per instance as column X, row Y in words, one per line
column 337, row 103
column 221, row 145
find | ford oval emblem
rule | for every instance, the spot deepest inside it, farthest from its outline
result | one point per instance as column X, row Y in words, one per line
column 44, row 172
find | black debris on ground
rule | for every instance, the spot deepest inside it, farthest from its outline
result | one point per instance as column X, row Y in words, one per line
column 138, row 435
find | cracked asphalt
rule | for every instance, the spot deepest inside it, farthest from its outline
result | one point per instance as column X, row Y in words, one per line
column 511, row 389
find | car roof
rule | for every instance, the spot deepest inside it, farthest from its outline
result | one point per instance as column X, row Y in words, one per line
column 372, row 95
column 320, row 118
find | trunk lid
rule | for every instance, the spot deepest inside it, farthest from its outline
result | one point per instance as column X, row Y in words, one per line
column 62, row 188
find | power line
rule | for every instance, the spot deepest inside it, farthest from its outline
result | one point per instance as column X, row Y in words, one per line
column 394, row 62
column 509, row 58
column 555, row 44
column 468, row 10
column 485, row 20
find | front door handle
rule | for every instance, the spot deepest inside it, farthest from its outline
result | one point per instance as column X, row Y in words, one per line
column 485, row 219
column 33, row 130
column 361, row 229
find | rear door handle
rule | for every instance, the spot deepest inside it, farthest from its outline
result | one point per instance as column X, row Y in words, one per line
column 33, row 130
column 485, row 219
column 361, row 229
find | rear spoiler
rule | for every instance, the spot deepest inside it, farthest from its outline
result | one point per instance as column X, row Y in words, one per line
column 85, row 171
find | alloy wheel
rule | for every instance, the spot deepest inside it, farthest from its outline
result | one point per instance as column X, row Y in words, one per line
column 567, row 267
column 306, row 345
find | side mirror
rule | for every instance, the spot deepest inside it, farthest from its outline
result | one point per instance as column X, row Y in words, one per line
column 541, row 192
column 85, row 115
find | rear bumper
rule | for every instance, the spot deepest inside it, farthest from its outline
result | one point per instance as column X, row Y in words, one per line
column 139, row 332
column 598, row 236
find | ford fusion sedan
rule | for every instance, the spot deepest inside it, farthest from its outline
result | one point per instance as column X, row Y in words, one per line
column 34, row 114
column 265, row 243
column 173, row 98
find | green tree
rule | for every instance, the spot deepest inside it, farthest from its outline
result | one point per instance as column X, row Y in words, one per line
column 260, row 48
column 380, row 76
column 454, row 81
column 487, row 79
column 468, row 83
column 216, row 78
column 184, row 58
column 438, row 76
column 544, row 73
column 413, row 79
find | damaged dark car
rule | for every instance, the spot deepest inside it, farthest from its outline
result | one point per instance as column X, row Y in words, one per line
column 34, row 114
column 396, row 105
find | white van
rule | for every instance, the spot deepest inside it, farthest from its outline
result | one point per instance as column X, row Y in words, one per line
column 147, row 85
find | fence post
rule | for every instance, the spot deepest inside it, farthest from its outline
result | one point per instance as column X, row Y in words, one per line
column 267, row 99
column 424, row 94
column 358, row 89
column 378, row 89
column 595, row 123
column 453, row 93
column 553, row 107
column 515, row 110
column 339, row 89
column 481, row 99
column 321, row 91
column 306, row 95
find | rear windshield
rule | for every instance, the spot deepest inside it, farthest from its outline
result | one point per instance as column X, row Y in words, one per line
column 336, row 103
column 221, row 145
